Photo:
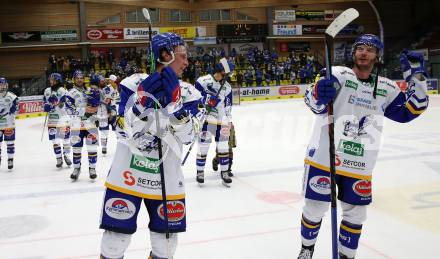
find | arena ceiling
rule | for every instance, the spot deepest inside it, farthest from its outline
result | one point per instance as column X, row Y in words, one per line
column 195, row 5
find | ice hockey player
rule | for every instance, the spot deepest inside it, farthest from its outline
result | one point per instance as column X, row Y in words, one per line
column 217, row 93
column 134, row 176
column 82, row 104
column 106, row 111
column 360, row 106
column 58, row 126
column 8, row 110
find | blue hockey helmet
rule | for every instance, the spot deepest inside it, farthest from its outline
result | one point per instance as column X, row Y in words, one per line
column 166, row 41
column 57, row 77
column 370, row 40
column 3, row 85
column 223, row 66
column 95, row 79
column 78, row 73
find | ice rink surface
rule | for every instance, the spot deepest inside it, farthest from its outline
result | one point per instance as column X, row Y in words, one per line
column 45, row 215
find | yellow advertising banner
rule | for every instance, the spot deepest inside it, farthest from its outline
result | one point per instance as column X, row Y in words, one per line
column 185, row 32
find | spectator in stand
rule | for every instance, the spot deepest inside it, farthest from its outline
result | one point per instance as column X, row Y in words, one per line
column 239, row 77
column 278, row 73
column 241, row 60
column 259, row 76
column 292, row 77
column 16, row 89
column 233, row 53
column 102, row 64
column 53, row 63
column 302, row 75
column 248, row 77
column 268, row 77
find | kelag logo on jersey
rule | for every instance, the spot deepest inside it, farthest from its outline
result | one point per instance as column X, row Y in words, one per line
column 381, row 92
column 119, row 208
column 351, row 84
column 351, row 148
column 145, row 164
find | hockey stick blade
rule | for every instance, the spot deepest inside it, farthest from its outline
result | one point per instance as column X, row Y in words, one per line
column 146, row 13
column 341, row 21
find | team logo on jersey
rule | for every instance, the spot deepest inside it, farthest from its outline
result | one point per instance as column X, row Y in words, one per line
column 145, row 164
column 320, row 184
column 362, row 188
column 381, row 92
column 351, row 148
column 119, row 208
column 175, row 209
column 351, row 84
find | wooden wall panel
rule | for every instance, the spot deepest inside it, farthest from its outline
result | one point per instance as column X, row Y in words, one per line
column 36, row 17
column 15, row 64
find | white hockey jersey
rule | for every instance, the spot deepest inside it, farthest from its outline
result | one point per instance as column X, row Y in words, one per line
column 358, row 120
column 8, row 110
column 77, row 110
column 128, row 86
column 108, row 102
column 137, row 172
column 57, row 117
column 208, row 87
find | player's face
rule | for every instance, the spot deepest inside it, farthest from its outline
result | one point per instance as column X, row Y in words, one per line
column 79, row 80
column 180, row 62
column 365, row 57
column 52, row 81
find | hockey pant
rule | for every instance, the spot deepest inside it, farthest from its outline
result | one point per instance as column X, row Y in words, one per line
column 317, row 201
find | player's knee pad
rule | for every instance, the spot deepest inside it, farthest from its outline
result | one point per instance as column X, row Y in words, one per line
column 113, row 244
column 223, row 147
column 315, row 210
column 104, row 133
column 355, row 214
column 160, row 245
column 203, row 148
column 77, row 150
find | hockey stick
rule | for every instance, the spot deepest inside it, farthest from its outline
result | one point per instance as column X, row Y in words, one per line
column 159, row 140
column 44, row 126
column 332, row 30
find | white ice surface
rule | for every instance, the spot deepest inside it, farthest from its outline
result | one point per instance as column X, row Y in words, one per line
column 45, row 215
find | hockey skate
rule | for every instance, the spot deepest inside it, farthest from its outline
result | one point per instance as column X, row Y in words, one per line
column 306, row 252
column 67, row 160
column 76, row 171
column 10, row 163
column 200, row 177
column 342, row 256
column 59, row 162
column 104, row 150
column 92, row 173
column 226, row 181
